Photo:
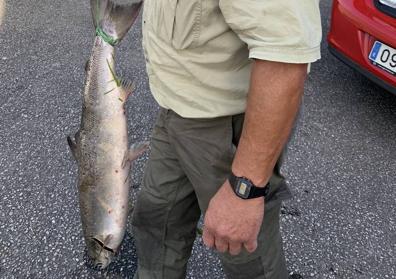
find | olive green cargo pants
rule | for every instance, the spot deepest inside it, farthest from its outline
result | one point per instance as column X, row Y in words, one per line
column 190, row 159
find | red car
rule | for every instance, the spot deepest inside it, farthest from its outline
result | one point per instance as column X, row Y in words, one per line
column 363, row 35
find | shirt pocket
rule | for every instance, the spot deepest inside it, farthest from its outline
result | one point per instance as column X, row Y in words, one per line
column 159, row 17
column 187, row 24
column 177, row 22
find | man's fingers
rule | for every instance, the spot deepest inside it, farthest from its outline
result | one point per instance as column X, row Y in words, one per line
column 235, row 248
column 221, row 245
column 251, row 246
column 208, row 238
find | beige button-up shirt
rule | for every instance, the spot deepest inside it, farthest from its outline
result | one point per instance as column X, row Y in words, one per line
column 199, row 52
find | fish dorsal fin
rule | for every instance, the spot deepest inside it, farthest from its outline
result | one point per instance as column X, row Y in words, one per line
column 128, row 85
column 112, row 21
column 127, row 88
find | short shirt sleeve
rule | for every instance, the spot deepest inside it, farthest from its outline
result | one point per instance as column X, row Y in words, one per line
column 277, row 30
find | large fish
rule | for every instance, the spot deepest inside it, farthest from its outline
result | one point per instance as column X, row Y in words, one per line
column 101, row 145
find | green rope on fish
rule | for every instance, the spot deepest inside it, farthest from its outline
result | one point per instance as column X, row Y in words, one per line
column 107, row 38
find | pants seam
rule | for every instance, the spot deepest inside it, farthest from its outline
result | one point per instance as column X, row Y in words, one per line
column 166, row 221
column 166, row 230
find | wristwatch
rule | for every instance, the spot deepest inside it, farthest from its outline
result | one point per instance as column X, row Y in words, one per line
column 245, row 189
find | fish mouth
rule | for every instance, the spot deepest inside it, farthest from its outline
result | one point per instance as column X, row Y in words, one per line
column 100, row 254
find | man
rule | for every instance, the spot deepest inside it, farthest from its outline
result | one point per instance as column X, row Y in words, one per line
column 209, row 62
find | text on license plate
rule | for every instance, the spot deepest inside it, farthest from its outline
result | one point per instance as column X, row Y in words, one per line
column 384, row 57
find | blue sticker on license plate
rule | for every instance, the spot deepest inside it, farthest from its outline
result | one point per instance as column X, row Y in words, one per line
column 384, row 57
column 375, row 50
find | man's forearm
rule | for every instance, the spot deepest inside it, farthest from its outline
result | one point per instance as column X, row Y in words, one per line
column 273, row 102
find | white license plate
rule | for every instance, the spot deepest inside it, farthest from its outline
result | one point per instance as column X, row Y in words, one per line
column 384, row 57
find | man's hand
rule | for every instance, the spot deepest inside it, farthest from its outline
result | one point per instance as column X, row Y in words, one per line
column 231, row 222
column 274, row 98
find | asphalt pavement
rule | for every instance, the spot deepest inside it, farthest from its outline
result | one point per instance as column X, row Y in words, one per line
column 341, row 163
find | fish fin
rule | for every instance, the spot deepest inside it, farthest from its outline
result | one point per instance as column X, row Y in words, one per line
column 134, row 152
column 73, row 147
column 128, row 88
column 124, row 160
column 113, row 19
column 137, row 149
column 87, row 65
column 77, row 137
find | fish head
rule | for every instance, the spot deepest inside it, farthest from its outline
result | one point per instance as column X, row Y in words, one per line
column 100, row 254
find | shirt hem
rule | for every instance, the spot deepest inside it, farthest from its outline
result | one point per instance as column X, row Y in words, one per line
column 295, row 56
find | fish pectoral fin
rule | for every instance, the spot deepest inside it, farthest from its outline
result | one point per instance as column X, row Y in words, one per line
column 73, row 147
column 134, row 152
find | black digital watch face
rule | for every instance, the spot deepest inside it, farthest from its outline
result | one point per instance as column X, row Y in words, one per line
column 243, row 189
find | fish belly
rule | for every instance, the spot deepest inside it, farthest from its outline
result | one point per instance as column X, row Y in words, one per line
column 104, row 183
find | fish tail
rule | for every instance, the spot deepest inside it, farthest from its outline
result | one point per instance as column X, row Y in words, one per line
column 112, row 21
